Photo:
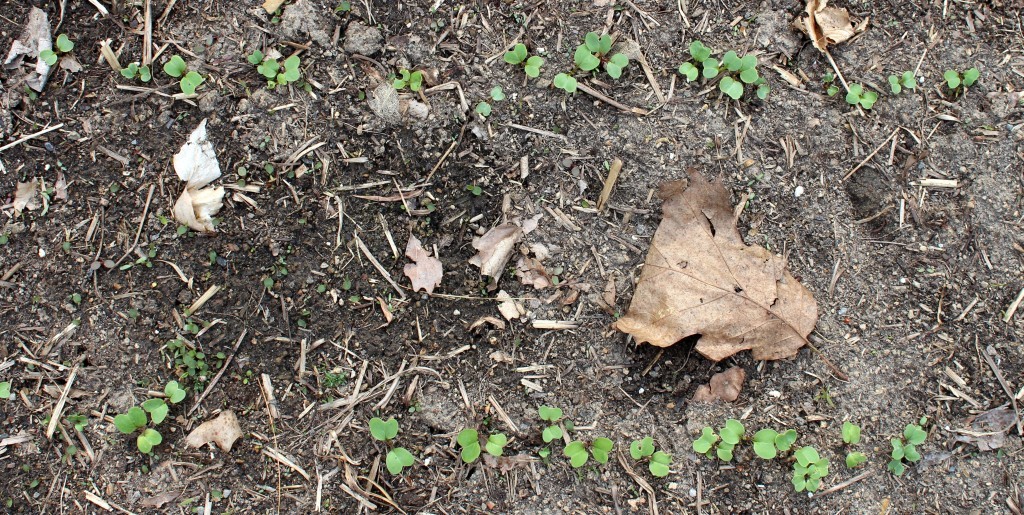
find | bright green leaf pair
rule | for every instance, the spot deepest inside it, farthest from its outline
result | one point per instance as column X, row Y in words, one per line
column 553, row 416
column 768, row 443
column 133, row 419
column 469, row 440
column 147, row 440
column 907, row 80
column 808, row 469
column 414, row 80
column 483, row 109
column 398, row 459
column 383, row 431
column 5, row 390
column 519, row 55
column 133, row 70
column 578, row 455
column 565, row 82
column 658, row 461
column 967, row 79
column 856, row 95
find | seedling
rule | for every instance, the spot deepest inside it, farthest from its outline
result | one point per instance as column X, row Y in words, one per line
column 474, row 189
column 483, row 109
column 808, row 469
column 497, row 94
column 469, row 440
column 594, row 52
column 63, row 45
column 851, row 436
column 5, row 390
column 768, row 443
column 967, row 79
column 829, row 81
column 742, row 71
column 133, row 70
column 413, row 80
column 398, row 458
column 273, row 71
column 531, row 63
column 577, row 451
column 731, row 435
column 906, row 448
column 190, row 80
column 856, row 95
column 553, row 416
column 907, row 80
column 135, row 418
column 657, row 461
column 565, row 82
column 706, row 442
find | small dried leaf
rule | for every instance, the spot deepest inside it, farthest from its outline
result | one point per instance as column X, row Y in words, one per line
column 34, row 38
column 223, row 431
column 495, row 248
column 26, row 196
column 700, row 278
column 826, row 25
column 509, row 308
column 724, row 386
column 425, row 272
column 195, row 208
column 496, row 322
column 530, row 271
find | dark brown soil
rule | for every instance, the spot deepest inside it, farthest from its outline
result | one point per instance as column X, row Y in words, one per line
column 912, row 282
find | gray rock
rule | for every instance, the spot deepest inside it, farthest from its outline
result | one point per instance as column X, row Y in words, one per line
column 302, row 19
column 360, row 39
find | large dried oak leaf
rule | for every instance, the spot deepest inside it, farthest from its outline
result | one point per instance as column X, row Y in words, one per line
column 701, row 279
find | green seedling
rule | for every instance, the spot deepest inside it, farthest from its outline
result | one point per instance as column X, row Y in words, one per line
column 483, row 109
column 855, row 459
column 497, row 94
column 808, row 469
column 413, row 80
column 531, row 63
column 829, row 82
column 135, row 418
column 768, row 443
column 967, row 79
column 63, row 46
column 190, row 80
column 731, row 435
column 851, row 433
column 78, row 421
column 133, row 70
column 857, row 96
column 474, row 189
column 907, row 80
column 5, row 390
column 553, row 416
column 273, row 71
column 706, row 442
column 398, row 458
column 578, row 455
column 905, row 449
column 594, row 52
column 565, row 82
column 657, row 461
column 469, row 440
column 742, row 71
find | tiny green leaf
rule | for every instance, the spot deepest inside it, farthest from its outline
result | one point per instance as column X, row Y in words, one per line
column 147, row 440
column 383, row 431
column 48, row 56
column 175, row 67
column 496, row 444
column 749, row 76
column 867, row 100
column 470, row 452
column 600, row 448
column 731, row 87
column 763, row 90
column 255, row 58
column 483, row 109
column 416, row 81
column 64, row 44
column 605, row 45
column 851, row 433
column 565, row 82
column 894, row 84
column 130, row 71
column 699, row 52
column 908, row 80
column 592, row 42
column 5, row 390
column 689, row 71
column 577, row 454
column 549, row 413
column 585, row 60
column 157, row 409
column 497, row 94
column 784, row 442
column 710, row 68
column 953, row 81
column 533, row 65
column 190, row 82
column 748, row 62
column 516, row 55
column 397, row 459
column 659, row 464
column 855, row 459
column 551, row 433
column 897, row 449
column 896, row 467
column 467, row 436
column 731, row 61
column 971, row 76
column 914, row 434
column 706, row 440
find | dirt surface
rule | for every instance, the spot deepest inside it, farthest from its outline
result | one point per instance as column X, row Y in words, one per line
column 913, row 282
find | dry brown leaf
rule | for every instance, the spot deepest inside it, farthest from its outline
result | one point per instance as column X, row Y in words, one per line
column 724, row 386
column 531, row 271
column 508, row 307
column 988, row 429
column 495, row 248
column 26, row 196
column 825, row 25
column 699, row 278
column 425, row 272
column 496, row 322
column 223, row 431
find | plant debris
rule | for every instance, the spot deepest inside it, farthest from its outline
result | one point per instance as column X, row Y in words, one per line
column 699, row 278
column 223, row 431
column 495, row 249
column 988, row 430
column 825, row 25
column 196, row 164
column 724, row 386
column 34, row 38
column 26, row 196
column 425, row 272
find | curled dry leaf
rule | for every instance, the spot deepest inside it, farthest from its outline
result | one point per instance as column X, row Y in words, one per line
column 508, row 307
column 825, row 25
column 223, row 431
column 988, row 429
column 196, row 164
column 496, row 322
column 699, row 278
column 425, row 272
column 26, row 196
column 495, row 248
column 724, row 386
column 34, row 38
column 531, row 271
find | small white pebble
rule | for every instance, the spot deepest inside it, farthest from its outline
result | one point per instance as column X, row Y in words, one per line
column 775, row 393
column 456, row 312
column 799, row 191
column 640, row 391
column 42, row 252
column 693, row 492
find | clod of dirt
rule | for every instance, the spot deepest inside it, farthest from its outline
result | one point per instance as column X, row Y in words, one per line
column 495, row 248
column 303, row 18
column 196, row 164
column 26, row 196
column 363, row 40
column 34, row 38
column 699, row 278
column 425, row 272
column 724, row 386
column 825, row 25
column 223, row 431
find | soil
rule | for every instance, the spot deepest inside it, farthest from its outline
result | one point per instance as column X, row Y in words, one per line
column 913, row 282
